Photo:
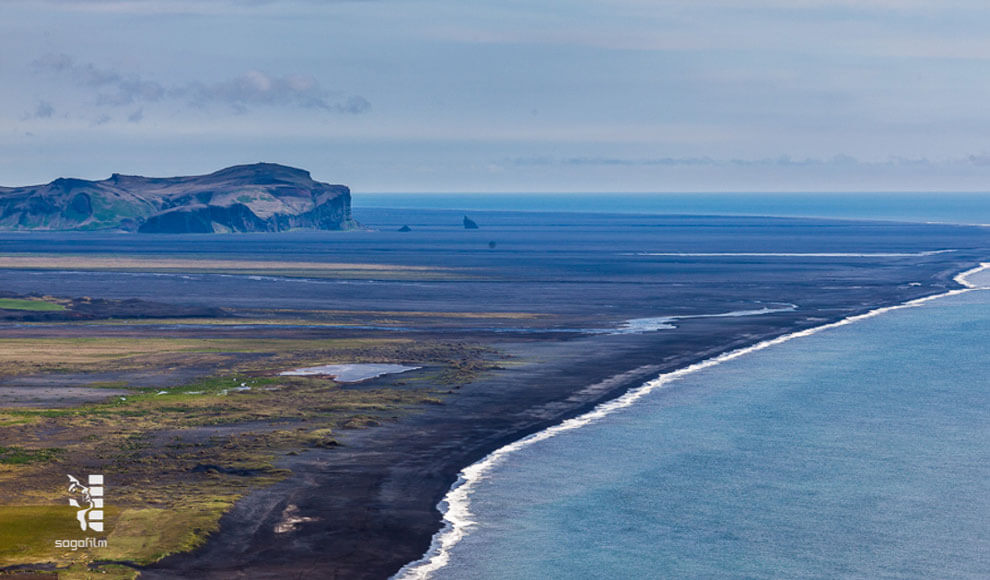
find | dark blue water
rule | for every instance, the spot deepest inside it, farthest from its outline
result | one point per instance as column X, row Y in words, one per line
column 585, row 265
column 962, row 208
column 862, row 451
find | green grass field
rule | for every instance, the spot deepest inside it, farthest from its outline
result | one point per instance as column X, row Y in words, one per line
column 37, row 305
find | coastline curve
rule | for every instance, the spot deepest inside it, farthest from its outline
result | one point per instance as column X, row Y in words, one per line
column 455, row 506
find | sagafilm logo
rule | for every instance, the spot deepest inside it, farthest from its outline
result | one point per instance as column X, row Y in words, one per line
column 90, row 502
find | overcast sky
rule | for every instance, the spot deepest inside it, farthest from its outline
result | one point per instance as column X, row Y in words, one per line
column 507, row 95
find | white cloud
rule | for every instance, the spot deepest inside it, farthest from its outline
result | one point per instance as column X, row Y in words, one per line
column 204, row 7
column 113, row 88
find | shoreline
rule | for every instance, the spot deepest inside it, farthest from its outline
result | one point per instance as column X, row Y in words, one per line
column 367, row 506
column 455, row 506
column 373, row 501
column 962, row 277
column 396, row 475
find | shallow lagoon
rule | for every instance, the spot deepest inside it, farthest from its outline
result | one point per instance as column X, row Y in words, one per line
column 351, row 373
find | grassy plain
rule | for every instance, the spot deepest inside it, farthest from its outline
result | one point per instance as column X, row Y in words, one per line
column 180, row 453
column 177, row 457
column 30, row 304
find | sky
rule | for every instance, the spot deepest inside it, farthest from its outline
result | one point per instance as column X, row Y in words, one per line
column 504, row 96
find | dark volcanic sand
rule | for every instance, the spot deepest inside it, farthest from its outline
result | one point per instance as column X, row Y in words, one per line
column 373, row 500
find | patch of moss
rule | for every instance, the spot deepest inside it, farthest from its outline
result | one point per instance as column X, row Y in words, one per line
column 19, row 455
column 28, row 532
column 148, row 535
column 102, row 571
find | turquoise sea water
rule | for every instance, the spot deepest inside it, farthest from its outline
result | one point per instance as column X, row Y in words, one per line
column 862, row 451
column 961, row 208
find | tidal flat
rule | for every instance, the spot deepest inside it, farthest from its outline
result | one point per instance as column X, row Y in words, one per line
column 164, row 374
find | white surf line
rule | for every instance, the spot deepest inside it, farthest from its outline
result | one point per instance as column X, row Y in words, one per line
column 963, row 278
column 958, row 224
column 457, row 503
column 794, row 254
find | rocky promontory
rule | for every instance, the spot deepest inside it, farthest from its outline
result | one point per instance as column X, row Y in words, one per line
column 263, row 197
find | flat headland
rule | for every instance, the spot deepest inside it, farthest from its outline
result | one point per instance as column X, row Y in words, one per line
column 510, row 339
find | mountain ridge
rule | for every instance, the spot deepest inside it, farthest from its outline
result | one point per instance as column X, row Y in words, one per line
column 258, row 197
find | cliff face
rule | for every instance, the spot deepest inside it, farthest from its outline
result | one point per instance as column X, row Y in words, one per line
column 263, row 197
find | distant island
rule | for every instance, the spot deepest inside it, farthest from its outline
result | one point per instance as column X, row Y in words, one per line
column 262, row 197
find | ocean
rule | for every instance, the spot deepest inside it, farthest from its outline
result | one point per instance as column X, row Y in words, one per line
column 768, row 465
column 939, row 207
column 860, row 451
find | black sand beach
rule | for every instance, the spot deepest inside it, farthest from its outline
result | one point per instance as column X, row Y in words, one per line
column 373, row 500
column 366, row 507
